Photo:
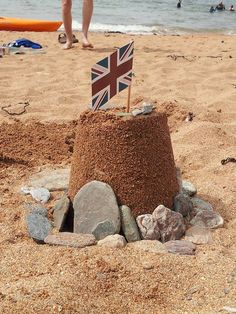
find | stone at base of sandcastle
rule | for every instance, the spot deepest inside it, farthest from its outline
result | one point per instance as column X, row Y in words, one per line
column 132, row 154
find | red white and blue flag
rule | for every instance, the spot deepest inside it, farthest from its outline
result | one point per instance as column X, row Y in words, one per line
column 111, row 75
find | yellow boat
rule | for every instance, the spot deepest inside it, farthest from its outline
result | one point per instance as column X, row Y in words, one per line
column 17, row 24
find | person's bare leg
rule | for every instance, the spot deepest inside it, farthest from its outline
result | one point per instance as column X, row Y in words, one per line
column 87, row 15
column 67, row 20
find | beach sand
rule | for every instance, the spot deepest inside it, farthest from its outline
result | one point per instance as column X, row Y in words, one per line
column 179, row 74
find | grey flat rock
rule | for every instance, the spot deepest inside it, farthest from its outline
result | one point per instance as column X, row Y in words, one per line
column 71, row 239
column 128, row 225
column 53, row 180
column 60, row 211
column 96, row 210
column 38, row 227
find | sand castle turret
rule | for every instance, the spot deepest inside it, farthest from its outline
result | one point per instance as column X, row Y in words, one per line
column 132, row 154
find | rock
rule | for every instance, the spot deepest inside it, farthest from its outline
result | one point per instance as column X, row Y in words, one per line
column 148, row 227
column 200, row 205
column 128, row 225
column 53, row 180
column 147, row 108
column 60, row 211
column 37, row 209
column 71, row 239
column 113, row 241
column 96, row 210
column 198, row 235
column 170, row 223
column 40, row 194
column 38, row 227
column 136, row 112
column 183, row 205
column 188, row 188
column 207, row 219
column 152, row 246
column 179, row 178
column 181, row 247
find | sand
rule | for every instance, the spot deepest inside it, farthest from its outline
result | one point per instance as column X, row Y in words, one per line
column 179, row 74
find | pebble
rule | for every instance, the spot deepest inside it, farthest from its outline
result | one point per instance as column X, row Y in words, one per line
column 38, row 227
column 113, row 241
column 188, row 188
column 71, row 239
column 181, row 247
column 207, row 219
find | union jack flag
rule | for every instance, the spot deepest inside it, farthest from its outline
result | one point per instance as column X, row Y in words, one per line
column 111, row 75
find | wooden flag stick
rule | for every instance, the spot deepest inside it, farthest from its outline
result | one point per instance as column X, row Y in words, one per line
column 128, row 101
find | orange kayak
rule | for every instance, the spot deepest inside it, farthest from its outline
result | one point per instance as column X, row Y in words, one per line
column 16, row 24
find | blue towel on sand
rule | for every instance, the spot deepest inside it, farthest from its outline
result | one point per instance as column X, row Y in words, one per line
column 23, row 42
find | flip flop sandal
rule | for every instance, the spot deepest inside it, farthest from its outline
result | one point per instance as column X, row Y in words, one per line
column 62, row 38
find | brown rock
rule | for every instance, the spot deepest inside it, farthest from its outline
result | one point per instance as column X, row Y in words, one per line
column 71, row 239
column 132, row 154
column 181, row 247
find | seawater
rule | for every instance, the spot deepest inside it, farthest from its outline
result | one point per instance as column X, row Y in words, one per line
column 133, row 16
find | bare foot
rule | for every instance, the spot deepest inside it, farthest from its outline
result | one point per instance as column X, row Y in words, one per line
column 86, row 44
column 68, row 45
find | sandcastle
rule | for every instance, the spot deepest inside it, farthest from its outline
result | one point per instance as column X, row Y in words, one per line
column 132, row 154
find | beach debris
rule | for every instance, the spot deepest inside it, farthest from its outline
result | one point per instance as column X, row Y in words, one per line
column 71, row 239
column 113, row 241
column 153, row 246
column 146, row 108
column 181, row 247
column 188, row 188
column 51, row 179
column 38, row 227
column 199, row 235
column 24, row 104
column 148, row 227
column 228, row 159
column 128, row 224
column 175, row 57
column 207, row 219
column 170, row 223
column 183, row 204
column 60, row 211
column 96, row 210
column 190, row 117
column 39, row 194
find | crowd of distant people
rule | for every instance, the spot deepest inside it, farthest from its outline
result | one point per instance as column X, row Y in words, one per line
column 219, row 7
